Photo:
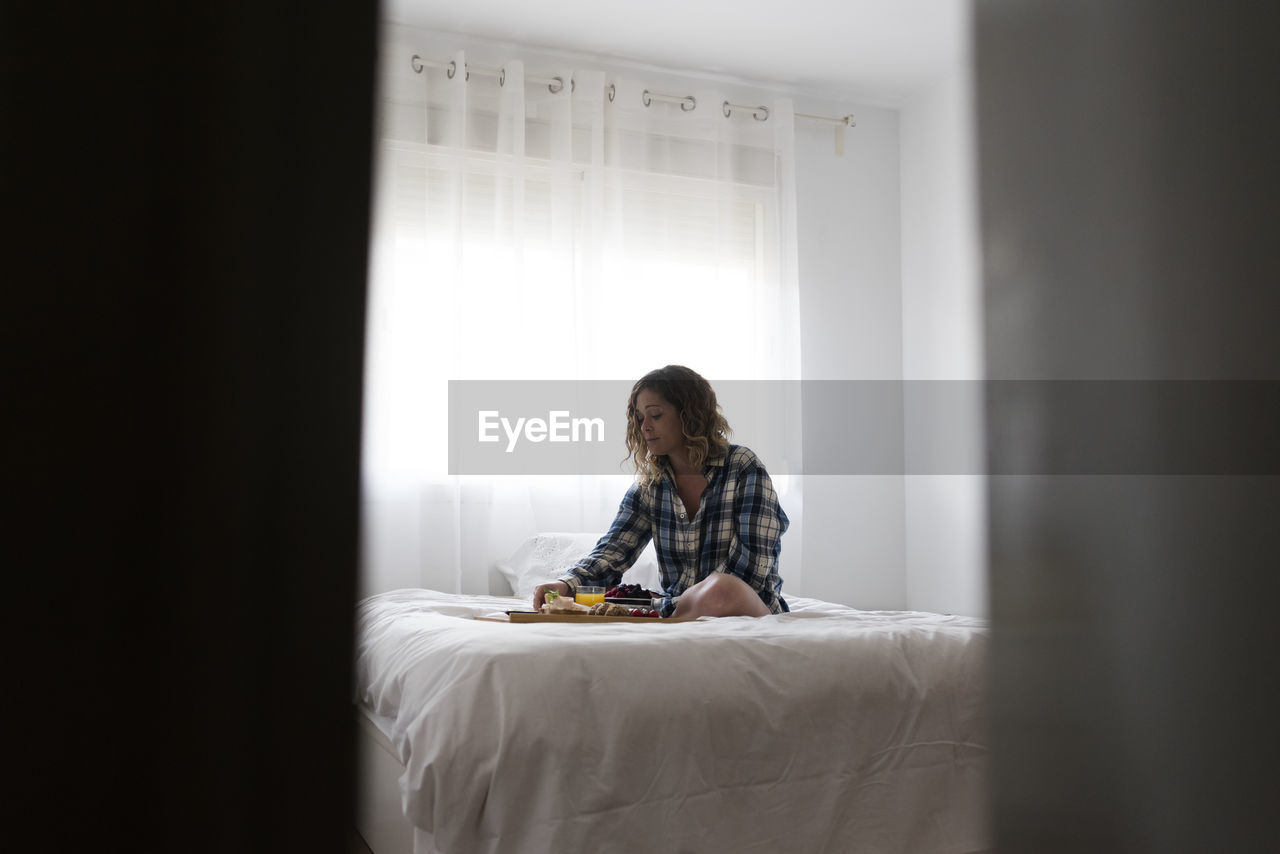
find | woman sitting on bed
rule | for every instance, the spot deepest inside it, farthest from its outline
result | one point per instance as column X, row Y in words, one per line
column 709, row 507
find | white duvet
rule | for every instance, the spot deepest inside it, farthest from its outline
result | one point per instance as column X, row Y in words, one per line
column 823, row 730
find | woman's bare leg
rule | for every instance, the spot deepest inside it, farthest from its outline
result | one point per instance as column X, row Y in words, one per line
column 720, row 595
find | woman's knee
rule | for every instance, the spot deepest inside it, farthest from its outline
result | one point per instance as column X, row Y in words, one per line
column 723, row 595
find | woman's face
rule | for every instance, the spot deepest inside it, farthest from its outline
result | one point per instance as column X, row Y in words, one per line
column 659, row 423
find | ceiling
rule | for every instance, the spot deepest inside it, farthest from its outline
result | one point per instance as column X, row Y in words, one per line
column 872, row 51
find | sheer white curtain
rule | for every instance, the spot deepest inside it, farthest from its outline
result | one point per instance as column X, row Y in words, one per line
column 548, row 224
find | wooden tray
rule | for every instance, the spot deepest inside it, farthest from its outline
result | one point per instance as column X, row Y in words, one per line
column 528, row 617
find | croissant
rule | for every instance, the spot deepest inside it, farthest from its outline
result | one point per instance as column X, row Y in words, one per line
column 610, row 609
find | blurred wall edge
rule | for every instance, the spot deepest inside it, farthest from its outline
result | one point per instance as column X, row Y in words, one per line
column 1128, row 178
column 186, row 194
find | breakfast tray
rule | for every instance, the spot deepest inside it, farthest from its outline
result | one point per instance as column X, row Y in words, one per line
column 532, row 617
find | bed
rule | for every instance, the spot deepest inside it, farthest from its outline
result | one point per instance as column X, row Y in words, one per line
column 827, row 729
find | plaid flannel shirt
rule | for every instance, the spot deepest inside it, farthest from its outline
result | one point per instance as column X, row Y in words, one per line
column 737, row 528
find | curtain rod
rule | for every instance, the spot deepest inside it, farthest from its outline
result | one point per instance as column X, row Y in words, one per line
column 846, row 121
column 554, row 84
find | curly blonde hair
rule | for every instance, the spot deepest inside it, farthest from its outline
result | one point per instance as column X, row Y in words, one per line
column 706, row 432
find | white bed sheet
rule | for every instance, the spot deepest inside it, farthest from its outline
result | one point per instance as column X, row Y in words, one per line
column 826, row 729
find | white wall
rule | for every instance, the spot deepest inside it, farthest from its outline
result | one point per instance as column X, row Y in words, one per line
column 945, row 515
column 851, row 329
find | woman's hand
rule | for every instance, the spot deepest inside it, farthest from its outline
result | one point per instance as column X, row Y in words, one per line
column 540, row 592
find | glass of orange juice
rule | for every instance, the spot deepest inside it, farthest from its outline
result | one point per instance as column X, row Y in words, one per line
column 589, row 596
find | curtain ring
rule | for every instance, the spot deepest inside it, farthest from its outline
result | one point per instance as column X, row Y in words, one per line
column 502, row 76
column 573, row 85
column 755, row 114
column 689, row 104
column 726, row 109
column 452, row 69
column 556, row 85
column 416, row 62
column 612, row 91
column 645, row 99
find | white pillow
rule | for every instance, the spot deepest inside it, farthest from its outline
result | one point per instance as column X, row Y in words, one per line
column 547, row 557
